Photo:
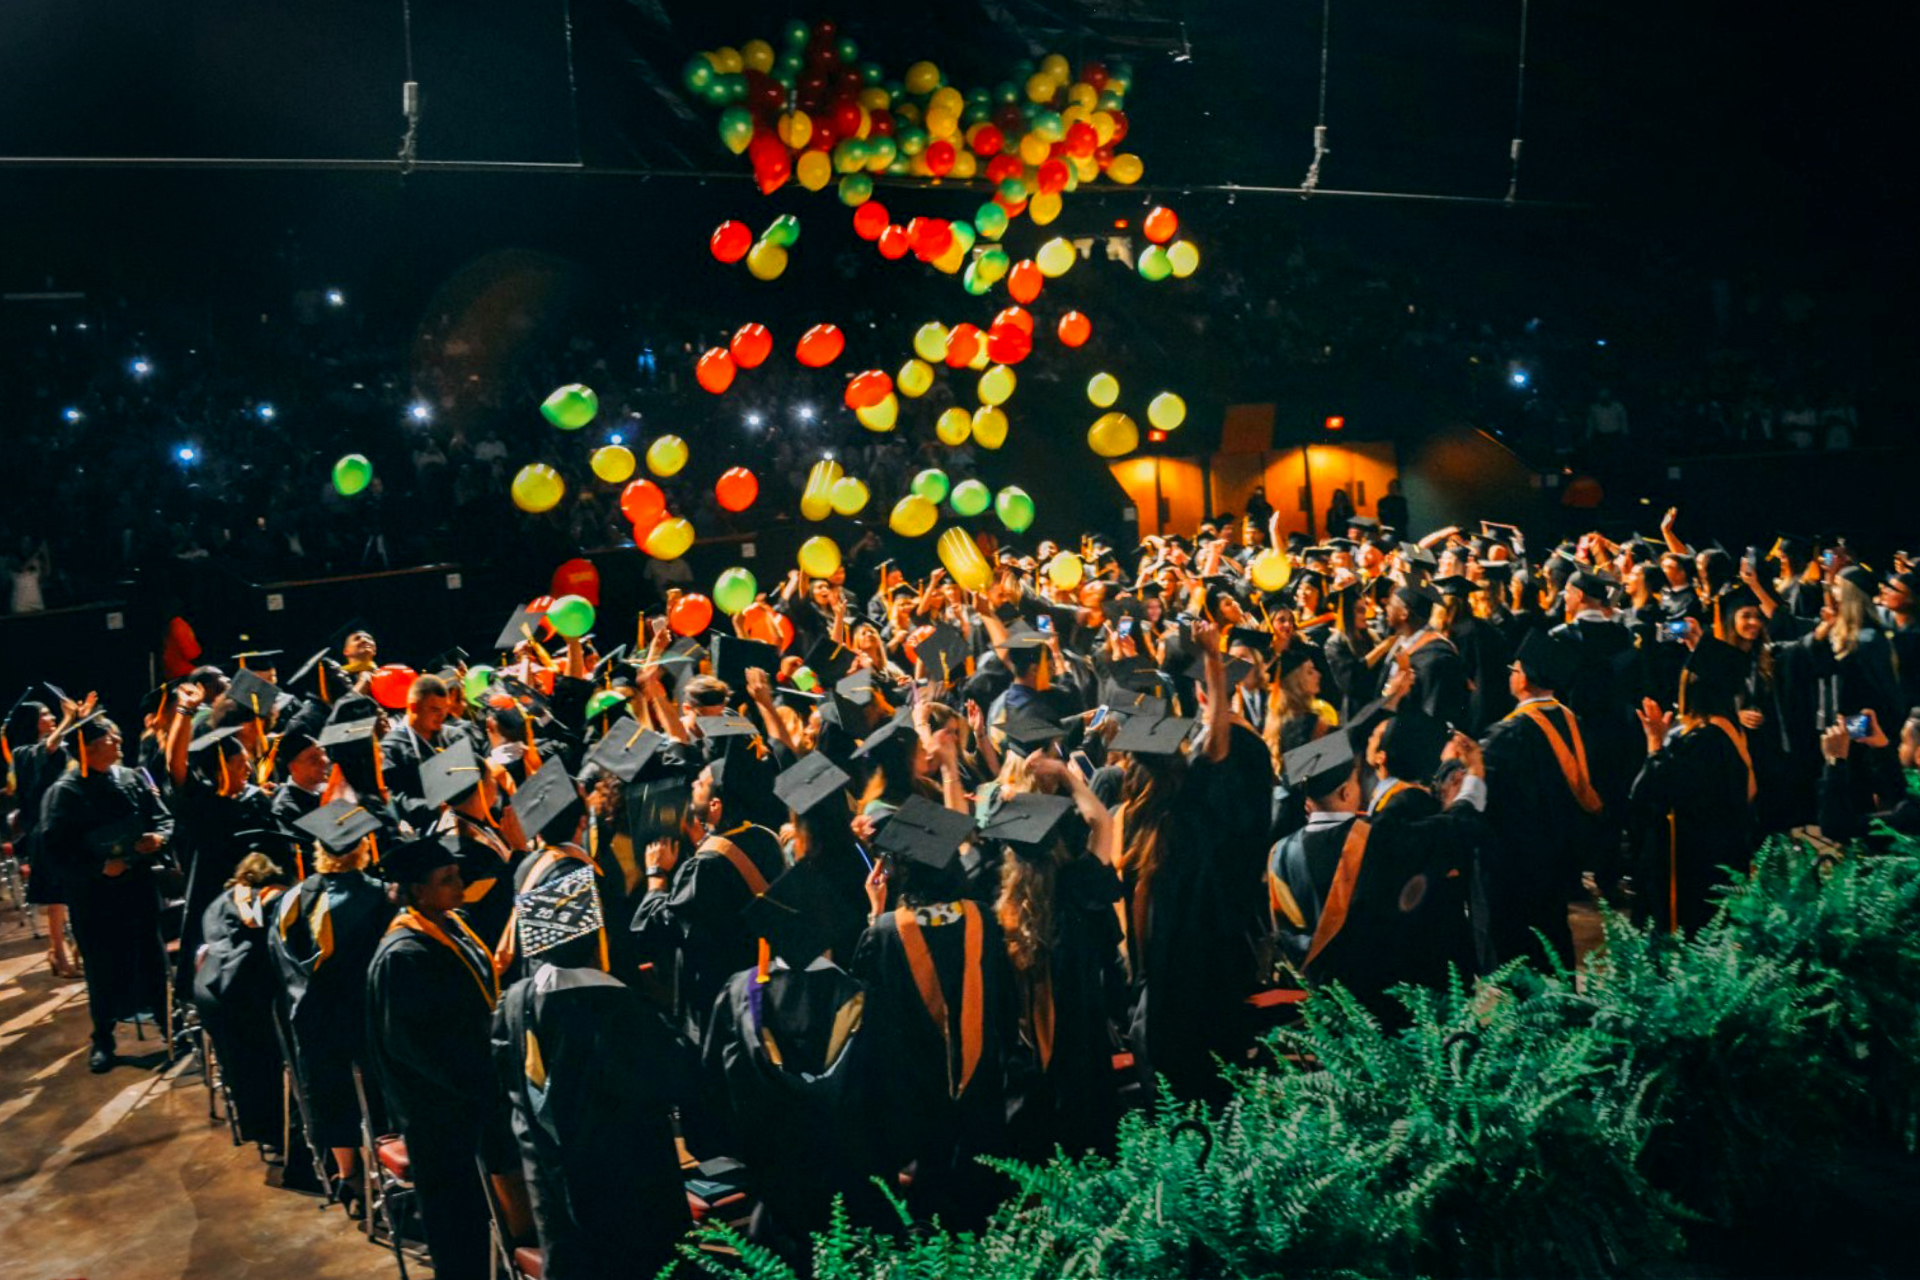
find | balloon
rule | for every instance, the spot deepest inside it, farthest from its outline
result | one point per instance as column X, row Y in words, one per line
column 783, row 231
column 1126, row 169
column 930, row 484
column 669, row 539
column 576, row 577
column 930, row 341
column 766, row 261
column 882, row 416
column 965, row 565
column 1160, row 224
column 1167, row 411
column 969, row 498
column 953, row 427
column 1113, row 434
column 1019, row 317
column 1055, row 258
column 571, row 616
column 814, row 170
column 1154, row 264
column 962, row 342
column 913, row 516
column 1014, row 508
column 869, row 220
column 1103, row 389
column 1007, row 344
column 1075, row 329
column 1066, row 570
column 537, row 488
column 819, row 557
column 820, row 346
column 730, row 241
column 714, row 371
column 914, row 379
column 571, row 407
column 751, row 345
column 1184, row 258
column 759, row 621
column 1024, row 281
column 922, row 78
column 351, row 474
column 1270, row 570
column 1046, row 206
column 612, row 463
column 642, row 503
column 996, row 385
column 993, row 265
column 477, row 681
column 667, row 455
column 989, row 427
column 736, row 129
column 816, row 500
column 856, row 189
column 848, row 497
column 690, row 615
column 736, row 489
column 864, row 390
column 894, row 243
column 991, row 220
column 390, row 684
column 733, row 591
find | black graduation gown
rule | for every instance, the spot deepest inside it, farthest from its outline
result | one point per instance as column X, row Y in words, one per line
column 1439, row 681
column 210, row 822
column 1542, row 841
column 792, row 1068
column 1303, row 863
column 429, row 1035
column 591, row 1076
column 1609, row 681
column 34, row 771
column 116, row 919
column 234, row 988
column 401, row 753
column 1691, row 817
column 1485, row 655
column 324, row 936
column 488, row 866
column 290, row 804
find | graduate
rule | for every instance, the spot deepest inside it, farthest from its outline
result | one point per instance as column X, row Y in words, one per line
column 549, row 810
column 1302, row 869
column 460, row 792
column 235, row 986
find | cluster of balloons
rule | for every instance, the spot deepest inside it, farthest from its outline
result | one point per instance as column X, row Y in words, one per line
column 830, row 491
column 1114, row 434
column 766, row 257
column 749, row 348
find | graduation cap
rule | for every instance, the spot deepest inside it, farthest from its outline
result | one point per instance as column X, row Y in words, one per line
column 224, row 738
column 1548, row 663
column 1342, row 544
column 1258, row 639
column 727, row 724
column 1860, row 576
column 1592, row 583
column 901, row 722
column 943, row 655
column 1793, row 546
column 1420, row 557
column 350, row 736
column 529, row 699
column 253, row 695
column 1734, row 597
column 341, row 825
column 733, row 656
column 1416, row 597
column 829, row 660
column 743, row 771
column 796, row 916
column 412, row 861
column 1497, row 572
column 1413, row 743
column 626, row 749
column 523, row 626
column 1365, row 523
column 547, row 801
column 1027, row 821
column 559, row 911
column 1237, row 669
column 1146, row 736
column 321, row 677
column 1122, row 701
column 1022, row 635
column 1717, row 665
column 448, row 660
column 1319, row 767
column 1455, row 584
column 924, row 832
column 812, row 781
column 675, row 670
column 449, row 776
column 265, row 839
column 856, row 689
column 152, row 699
column 1029, row 729
column 604, row 701
column 1293, row 657
column 262, row 659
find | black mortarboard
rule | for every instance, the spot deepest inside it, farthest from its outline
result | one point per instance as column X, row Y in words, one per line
column 223, row 738
column 943, row 655
column 1548, row 663
column 1123, row 701
column 1420, row 557
column 447, row 660
column 900, row 723
column 1023, row 636
column 1718, row 665
column 1860, row 576
column 743, row 772
column 1144, row 736
column 341, row 825
column 1293, row 657
column 727, row 724
column 626, row 748
column 1237, row 669
column 449, row 776
column 412, row 861
column 252, row 694
column 529, row 699
column 321, row 677
column 548, row 803
column 1497, row 572
column 1793, row 546
column 150, row 700
column 1734, row 597
column 829, row 660
column 1455, row 584
column 1342, row 544
column 344, row 737
column 1258, row 639
column 524, row 625
column 558, row 911
column 812, row 781
column 924, row 832
column 266, row 840
column 1029, row 729
column 1029, row 819
column 1413, row 743
column 1591, row 583
column 796, row 915
column 856, row 688
column 1416, row 598
column 734, row 655
column 267, row 659
column 1320, row 766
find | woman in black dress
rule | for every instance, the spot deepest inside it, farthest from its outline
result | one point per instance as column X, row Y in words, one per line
column 32, row 767
column 234, row 987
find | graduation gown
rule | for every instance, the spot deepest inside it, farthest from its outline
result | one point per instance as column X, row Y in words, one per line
column 1692, row 815
column 1301, row 871
column 591, row 1076
column 1610, row 680
column 234, row 988
column 1439, row 678
column 488, row 865
column 325, row 933
column 33, row 771
column 401, row 754
column 1485, row 656
column 209, row 822
column 1544, row 837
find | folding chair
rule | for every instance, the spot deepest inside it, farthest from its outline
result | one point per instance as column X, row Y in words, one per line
column 511, row 1258
column 297, row 1093
column 13, row 885
column 387, row 1185
column 717, row 1191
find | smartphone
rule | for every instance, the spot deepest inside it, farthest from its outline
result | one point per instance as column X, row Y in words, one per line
column 1099, row 718
column 1044, row 623
column 1859, row 728
column 1125, row 628
column 1082, row 764
column 1678, row 627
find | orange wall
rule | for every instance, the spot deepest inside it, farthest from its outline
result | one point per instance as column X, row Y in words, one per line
column 1362, row 468
column 1167, row 493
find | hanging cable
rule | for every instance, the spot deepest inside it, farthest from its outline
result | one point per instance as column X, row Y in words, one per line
column 1311, row 182
column 1519, row 106
column 573, row 83
column 410, row 94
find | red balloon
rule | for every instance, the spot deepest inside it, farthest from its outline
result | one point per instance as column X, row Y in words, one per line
column 641, row 502
column 1160, row 224
column 730, row 241
column 1003, row 166
column 577, row 577
column 869, row 220
column 736, row 489
column 1082, row 138
column 963, row 343
column 894, row 243
column 1095, row 74
column 879, row 124
column 1023, row 282
column 1008, row 344
column 751, row 345
column 1016, row 316
column 868, row 389
column 930, row 237
column 988, row 141
column 390, row 684
column 940, row 158
column 1075, row 328
column 1009, row 120
column 1014, row 208
column 691, row 615
column 758, row 621
column 820, row 346
column 1120, row 126
column 1052, row 176
column 714, row 372
column 773, row 175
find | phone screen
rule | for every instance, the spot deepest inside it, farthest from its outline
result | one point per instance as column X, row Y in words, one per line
column 1858, row 728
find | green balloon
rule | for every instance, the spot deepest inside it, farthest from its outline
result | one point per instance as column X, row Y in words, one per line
column 857, row 188
column 963, row 235
column 1154, row 263
column 849, row 51
column 571, row 407
column 994, row 263
column 787, row 70
column 736, row 128
column 697, row 75
column 872, row 74
column 571, row 615
column 991, row 219
column 974, row 281
column 734, row 590
column 795, row 33
column 1013, row 188
column 976, row 113
column 930, row 484
column 604, row 700
column 1014, row 508
column 881, row 151
column 352, row 474
column 783, row 231
column 475, row 685
column 970, row 498
column 910, row 139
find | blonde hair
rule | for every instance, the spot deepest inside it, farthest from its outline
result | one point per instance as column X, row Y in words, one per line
column 1850, row 615
column 1025, row 905
column 329, row 863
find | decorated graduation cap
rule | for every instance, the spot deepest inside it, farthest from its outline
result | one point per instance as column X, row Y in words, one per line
column 1413, row 743
column 548, row 804
column 412, row 861
column 1027, row 821
column 796, row 915
column 1717, row 665
column 924, row 832
column 1321, row 766
column 340, row 826
column 811, row 782
column 1152, row 736
column 565, row 909
column 252, row 694
column 626, row 749
column 1547, row 662
column 320, row 677
column 734, row 656
column 449, row 777
column 943, row 655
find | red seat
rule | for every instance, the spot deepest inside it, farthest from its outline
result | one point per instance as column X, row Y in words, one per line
column 529, row 1261
column 391, row 1152
column 1123, row 1062
column 1276, row 997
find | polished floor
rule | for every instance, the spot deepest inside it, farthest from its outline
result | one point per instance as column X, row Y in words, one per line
column 123, row 1176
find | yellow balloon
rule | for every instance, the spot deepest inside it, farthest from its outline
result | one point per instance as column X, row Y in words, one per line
column 816, row 500
column 1167, row 411
column 874, row 98
column 613, row 463
column 667, row 455
column 1271, row 570
column 848, row 496
column 989, row 427
column 912, row 516
column 814, row 169
column 1054, row 67
column 952, row 260
column 1040, row 87
column 914, row 379
column 727, row 60
column 1066, row 570
column 965, row 565
column 757, row 55
column 1103, row 389
column 819, row 557
column 882, row 416
column 980, row 358
column 537, row 487
column 942, row 123
column 1113, row 434
column 1085, row 168
column 947, row 98
column 991, row 269
column 1044, row 208
column 1126, row 169
column 1103, row 126
column 953, row 427
column 1034, row 149
column 930, row 342
column 922, row 78
column 1055, row 257
column 795, row 128
column 1082, row 95
column 766, row 260
column 669, row 539
column 1185, row 257
column 964, row 165
column 996, row 385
